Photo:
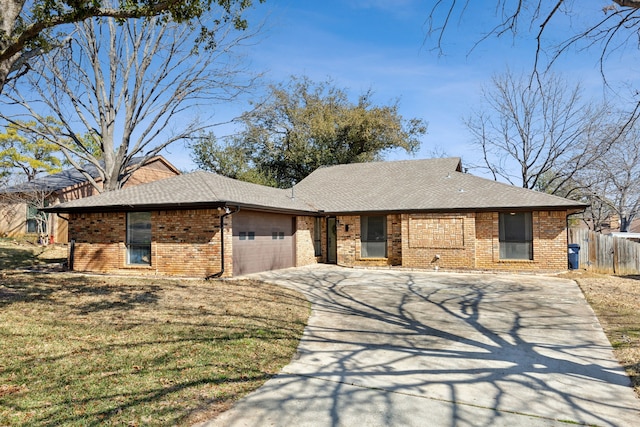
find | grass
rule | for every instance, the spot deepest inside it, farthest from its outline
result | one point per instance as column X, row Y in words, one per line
column 15, row 254
column 80, row 350
column 616, row 302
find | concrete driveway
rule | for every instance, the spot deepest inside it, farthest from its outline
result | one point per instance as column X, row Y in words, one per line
column 406, row 348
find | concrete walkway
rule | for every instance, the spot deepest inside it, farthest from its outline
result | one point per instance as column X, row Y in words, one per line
column 405, row 348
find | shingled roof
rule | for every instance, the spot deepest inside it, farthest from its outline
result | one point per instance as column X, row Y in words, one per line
column 65, row 179
column 194, row 190
column 416, row 185
column 54, row 182
column 399, row 186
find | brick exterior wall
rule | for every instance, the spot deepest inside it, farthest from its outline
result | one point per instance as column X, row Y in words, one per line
column 549, row 243
column 438, row 240
column 456, row 241
column 487, row 239
column 349, row 245
column 187, row 242
column 184, row 243
column 305, row 250
column 152, row 171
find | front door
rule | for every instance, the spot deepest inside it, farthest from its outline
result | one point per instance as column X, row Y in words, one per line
column 332, row 237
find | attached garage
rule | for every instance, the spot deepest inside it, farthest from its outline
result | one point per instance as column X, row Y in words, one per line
column 262, row 241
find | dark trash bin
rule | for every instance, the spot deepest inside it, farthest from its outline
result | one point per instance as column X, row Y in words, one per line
column 574, row 256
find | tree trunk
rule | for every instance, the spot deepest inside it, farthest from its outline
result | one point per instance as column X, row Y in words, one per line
column 10, row 11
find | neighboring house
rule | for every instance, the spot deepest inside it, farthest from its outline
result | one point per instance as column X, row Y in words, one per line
column 416, row 213
column 20, row 217
column 611, row 225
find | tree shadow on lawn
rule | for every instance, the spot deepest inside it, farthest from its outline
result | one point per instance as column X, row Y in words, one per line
column 75, row 292
column 508, row 346
column 19, row 258
column 97, row 358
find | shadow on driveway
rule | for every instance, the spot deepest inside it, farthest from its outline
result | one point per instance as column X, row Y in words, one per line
column 387, row 347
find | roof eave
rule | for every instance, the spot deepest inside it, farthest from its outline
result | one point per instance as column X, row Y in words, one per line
column 131, row 208
column 174, row 206
column 263, row 208
column 454, row 209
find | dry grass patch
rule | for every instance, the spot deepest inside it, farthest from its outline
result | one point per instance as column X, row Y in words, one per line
column 616, row 302
column 14, row 254
column 82, row 350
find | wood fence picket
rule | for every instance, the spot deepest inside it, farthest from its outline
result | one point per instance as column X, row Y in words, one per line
column 606, row 254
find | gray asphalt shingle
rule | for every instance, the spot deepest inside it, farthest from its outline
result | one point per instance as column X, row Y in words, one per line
column 433, row 184
column 193, row 189
column 411, row 185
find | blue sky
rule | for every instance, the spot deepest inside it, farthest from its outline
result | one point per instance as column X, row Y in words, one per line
column 381, row 45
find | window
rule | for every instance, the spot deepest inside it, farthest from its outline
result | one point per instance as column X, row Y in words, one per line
column 373, row 236
column 36, row 220
column 317, row 237
column 251, row 235
column 516, row 235
column 139, row 238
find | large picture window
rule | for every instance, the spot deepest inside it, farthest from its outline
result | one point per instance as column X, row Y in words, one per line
column 139, row 238
column 373, row 236
column 516, row 236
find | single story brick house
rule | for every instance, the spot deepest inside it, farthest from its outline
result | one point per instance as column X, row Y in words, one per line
column 415, row 213
column 18, row 215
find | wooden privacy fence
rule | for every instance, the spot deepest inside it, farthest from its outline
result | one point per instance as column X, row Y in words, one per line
column 603, row 253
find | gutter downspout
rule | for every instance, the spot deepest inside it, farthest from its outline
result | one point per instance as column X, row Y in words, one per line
column 226, row 214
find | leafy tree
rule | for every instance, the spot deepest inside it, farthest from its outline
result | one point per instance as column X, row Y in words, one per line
column 27, row 27
column 302, row 126
column 125, row 90
column 21, row 148
column 538, row 136
column 23, row 153
column 229, row 160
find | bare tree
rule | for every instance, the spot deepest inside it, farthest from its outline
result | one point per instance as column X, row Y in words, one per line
column 537, row 136
column 609, row 27
column 134, row 87
column 614, row 180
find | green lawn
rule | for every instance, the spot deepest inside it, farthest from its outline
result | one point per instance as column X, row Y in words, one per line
column 85, row 351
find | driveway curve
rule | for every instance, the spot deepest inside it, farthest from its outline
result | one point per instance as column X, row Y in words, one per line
column 408, row 348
